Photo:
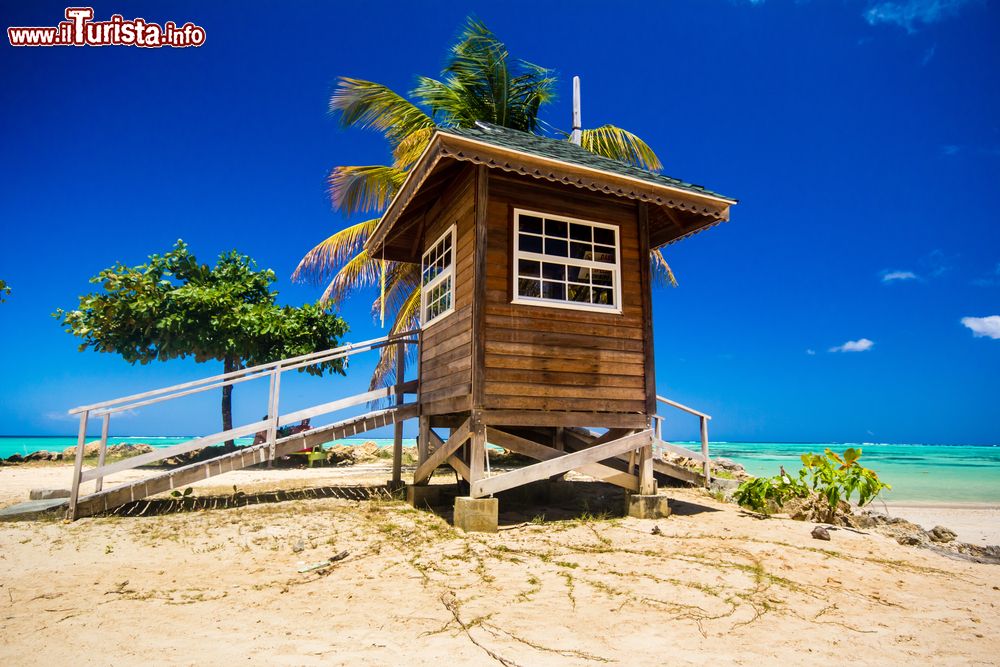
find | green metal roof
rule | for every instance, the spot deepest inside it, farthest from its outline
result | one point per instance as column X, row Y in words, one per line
column 565, row 151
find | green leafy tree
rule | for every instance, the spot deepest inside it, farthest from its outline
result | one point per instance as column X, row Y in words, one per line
column 480, row 82
column 4, row 290
column 173, row 307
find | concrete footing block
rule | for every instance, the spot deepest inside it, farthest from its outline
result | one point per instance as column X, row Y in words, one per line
column 477, row 515
column 647, row 507
column 47, row 494
column 424, row 495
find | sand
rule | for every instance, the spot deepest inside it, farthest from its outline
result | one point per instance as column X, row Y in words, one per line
column 711, row 584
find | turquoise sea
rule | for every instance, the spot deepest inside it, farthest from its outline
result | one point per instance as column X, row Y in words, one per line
column 918, row 473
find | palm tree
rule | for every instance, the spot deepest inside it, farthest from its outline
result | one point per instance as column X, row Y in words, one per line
column 478, row 83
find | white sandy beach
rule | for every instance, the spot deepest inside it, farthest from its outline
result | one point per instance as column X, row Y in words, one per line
column 710, row 584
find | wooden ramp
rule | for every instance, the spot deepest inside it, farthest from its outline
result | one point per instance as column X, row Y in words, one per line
column 267, row 446
column 105, row 500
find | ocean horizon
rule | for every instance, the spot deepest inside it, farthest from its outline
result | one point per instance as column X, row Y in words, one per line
column 917, row 472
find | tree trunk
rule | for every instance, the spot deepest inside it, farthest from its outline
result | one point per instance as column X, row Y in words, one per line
column 229, row 365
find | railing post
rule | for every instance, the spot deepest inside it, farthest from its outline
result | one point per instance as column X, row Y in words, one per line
column 272, row 413
column 397, row 434
column 99, row 484
column 704, row 450
column 81, row 440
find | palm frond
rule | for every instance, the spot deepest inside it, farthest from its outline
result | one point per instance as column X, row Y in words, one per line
column 366, row 104
column 659, row 269
column 327, row 257
column 407, row 318
column 362, row 189
column 618, row 144
column 358, row 272
column 402, row 278
column 406, row 154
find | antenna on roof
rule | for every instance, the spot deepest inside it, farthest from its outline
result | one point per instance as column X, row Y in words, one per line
column 577, row 135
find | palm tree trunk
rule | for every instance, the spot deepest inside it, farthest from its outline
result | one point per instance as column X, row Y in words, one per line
column 229, row 365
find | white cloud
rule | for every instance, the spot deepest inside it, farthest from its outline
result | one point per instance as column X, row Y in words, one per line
column 983, row 326
column 811, row 352
column 909, row 14
column 860, row 345
column 893, row 276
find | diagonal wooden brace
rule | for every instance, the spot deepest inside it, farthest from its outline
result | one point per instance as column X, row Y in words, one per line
column 441, row 454
column 560, row 463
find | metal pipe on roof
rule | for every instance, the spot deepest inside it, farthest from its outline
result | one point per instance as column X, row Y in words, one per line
column 577, row 135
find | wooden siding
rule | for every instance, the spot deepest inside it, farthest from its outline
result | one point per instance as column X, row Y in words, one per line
column 541, row 358
column 446, row 345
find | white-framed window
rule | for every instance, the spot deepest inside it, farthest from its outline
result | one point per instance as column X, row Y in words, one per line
column 564, row 262
column 437, row 279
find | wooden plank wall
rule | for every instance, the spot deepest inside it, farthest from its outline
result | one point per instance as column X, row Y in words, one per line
column 540, row 358
column 446, row 348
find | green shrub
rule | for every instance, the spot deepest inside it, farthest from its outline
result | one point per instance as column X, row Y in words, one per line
column 833, row 477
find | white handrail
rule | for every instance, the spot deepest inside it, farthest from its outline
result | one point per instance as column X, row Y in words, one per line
column 683, row 407
column 703, row 420
column 226, row 378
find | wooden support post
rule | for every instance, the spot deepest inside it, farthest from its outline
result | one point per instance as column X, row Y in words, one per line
column 103, row 450
column 397, row 433
column 81, row 441
column 477, row 451
column 272, row 413
column 704, row 450
column 559, row 443
column 423, row 439
column 647, row 485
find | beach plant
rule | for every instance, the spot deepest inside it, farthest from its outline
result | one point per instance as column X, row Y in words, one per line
column 838, row 478
column 835, row 478
column 758, row 493
column 175, row 307
column 480, row 82
column 4, row 290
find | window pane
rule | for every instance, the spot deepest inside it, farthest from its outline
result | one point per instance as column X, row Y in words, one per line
column 555, row 228
column 553, row 290
column 604, row 254
column 601, row 277
column 604, row 235
column 527, row 267
column 556, row 248
column 579, row 274
column 580, row 232
column 554, row 271
column 530, row 243
column 528, row 287
column 603, row 296
column 529, row 223
column 580, row 250
column 579, row 293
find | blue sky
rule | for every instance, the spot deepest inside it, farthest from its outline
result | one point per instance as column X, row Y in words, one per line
column 862, row 138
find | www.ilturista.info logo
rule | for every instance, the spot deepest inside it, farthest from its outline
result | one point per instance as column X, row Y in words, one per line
column 79, row 29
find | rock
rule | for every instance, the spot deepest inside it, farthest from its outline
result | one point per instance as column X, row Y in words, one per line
column 738, row 472
column 909, row 540
column 88, row 450
column 47, row 494
column 298, row 546
column 126, row 449
column 42, row 455
column 941, row 534
column 366, row 453
column 821, row 533
column 15, row 458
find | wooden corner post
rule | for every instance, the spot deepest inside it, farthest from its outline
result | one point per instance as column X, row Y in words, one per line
column 646, row 286
column 397, row 433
